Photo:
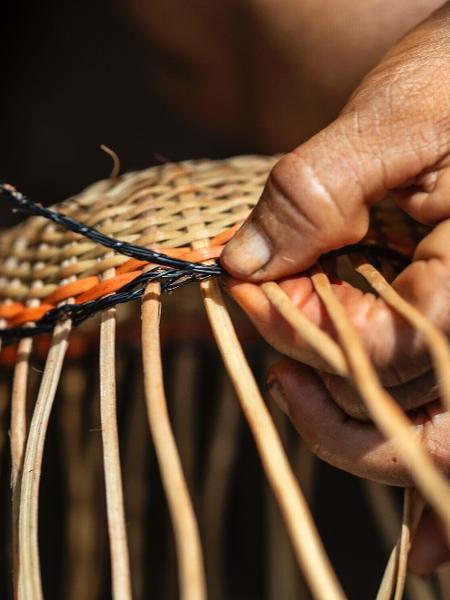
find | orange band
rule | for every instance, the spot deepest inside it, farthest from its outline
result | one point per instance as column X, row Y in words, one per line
column 30, row 314
column 9, row 311
column 69, row 290
column 108, row 286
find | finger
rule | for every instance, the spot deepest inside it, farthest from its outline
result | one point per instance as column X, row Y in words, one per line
column 426, row 281
column 348, row 444
column 410, row 395
column 426, row 200
column 429, row 548
column 399, row 352
column 390, row 352
column 317, row 197
column 342, row 442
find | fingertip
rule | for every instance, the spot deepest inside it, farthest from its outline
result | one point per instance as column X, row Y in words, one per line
column 307, row 402
column 248, row 295
column 330, row 433
column 247, row 252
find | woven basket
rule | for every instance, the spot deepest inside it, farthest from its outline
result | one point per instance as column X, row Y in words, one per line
column 186, row 211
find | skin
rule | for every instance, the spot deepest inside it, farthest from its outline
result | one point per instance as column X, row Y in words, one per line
column 267, row 74
column 392, row 136
column 271, row 73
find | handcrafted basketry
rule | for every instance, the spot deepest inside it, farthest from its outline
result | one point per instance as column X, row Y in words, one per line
column 52, row 279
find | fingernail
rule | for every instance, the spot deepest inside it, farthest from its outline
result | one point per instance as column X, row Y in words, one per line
column 277, row 394
column 247, row 252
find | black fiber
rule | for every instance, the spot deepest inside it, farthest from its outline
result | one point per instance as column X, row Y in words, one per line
column 171, row 272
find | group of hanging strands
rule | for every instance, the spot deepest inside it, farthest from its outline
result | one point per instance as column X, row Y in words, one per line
column 133, row 237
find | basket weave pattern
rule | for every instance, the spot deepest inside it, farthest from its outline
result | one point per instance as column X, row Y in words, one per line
column 188, row 205
column 150, row 208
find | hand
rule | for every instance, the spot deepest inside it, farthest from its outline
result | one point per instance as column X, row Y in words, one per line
column 393, row 136
column 393, row 133
column 360, row 449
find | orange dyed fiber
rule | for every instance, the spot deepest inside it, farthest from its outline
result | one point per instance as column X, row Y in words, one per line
column 91, row 288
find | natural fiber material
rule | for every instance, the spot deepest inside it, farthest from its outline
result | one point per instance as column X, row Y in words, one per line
column 144, row 208
column 152, row 223
column 156, row 230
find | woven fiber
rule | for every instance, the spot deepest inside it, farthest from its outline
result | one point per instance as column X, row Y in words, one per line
column 187, row 212
column 168, row 206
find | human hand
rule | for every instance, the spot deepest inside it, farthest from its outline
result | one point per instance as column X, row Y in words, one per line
column 393, row 136
column 359, row 448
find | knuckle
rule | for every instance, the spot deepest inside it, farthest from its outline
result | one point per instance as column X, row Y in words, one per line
column 304, row 200
column 283, row 179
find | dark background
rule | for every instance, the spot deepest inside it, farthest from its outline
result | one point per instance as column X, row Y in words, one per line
column 74, row 75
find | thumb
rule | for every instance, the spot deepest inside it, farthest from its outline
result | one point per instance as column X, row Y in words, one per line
column 314, row 201
column 317, row 197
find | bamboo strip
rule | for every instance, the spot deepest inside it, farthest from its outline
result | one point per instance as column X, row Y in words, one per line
column 382, row 506
column 281, row 573
column 394, row 577
column 82, row 562
column 413, row 505
column 308, row 547
column 115, row 510
column 320, row 341
column 384, row 411
column 184, row 397
column 437, row 342
column 387, row 585
column 187, row 539
column 30, row 586
column 136, row 485
column 222, row 454
column 18, row 436
column 387, row 519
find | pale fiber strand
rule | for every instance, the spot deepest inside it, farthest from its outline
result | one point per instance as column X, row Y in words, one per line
column 83, row 565
column 221, row 458
column 387, row 584
column 394, row 577
column 184, row 413
column 387, row 519
column 413, row 505
column 281, row 572
column 30, row 586
column 307, row 545
column 137, row 459
column 18, row 436
column 187, row 539
column 385, row 412
column 320, row 341
column 115, row 511
column 437, row 342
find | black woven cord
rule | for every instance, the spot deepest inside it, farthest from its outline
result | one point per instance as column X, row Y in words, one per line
column 170, row 279
column 172, row 273
column 26, row 205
